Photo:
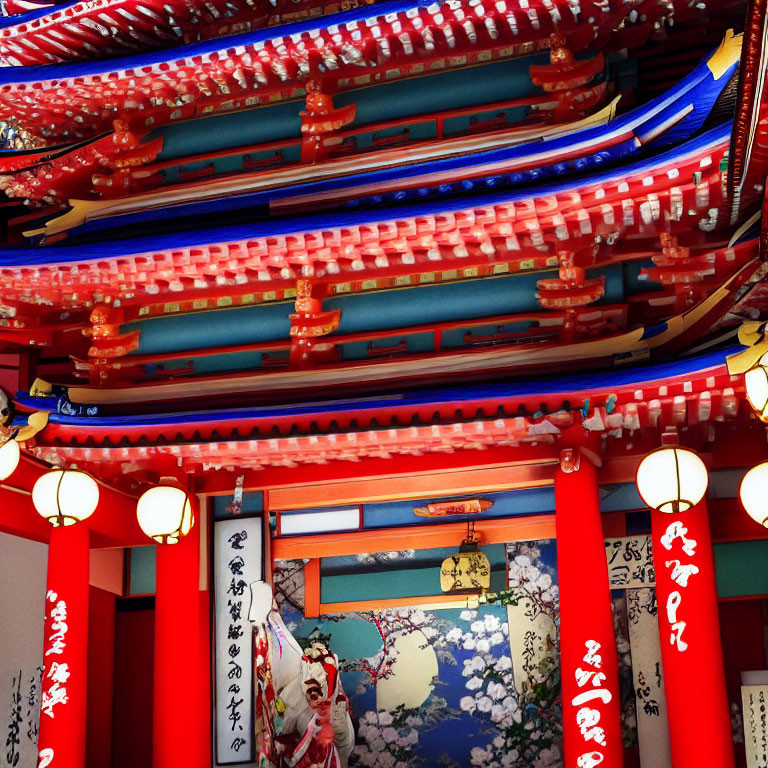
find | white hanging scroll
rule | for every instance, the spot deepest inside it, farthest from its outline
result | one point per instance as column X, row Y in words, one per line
column 532, row 624
column 532, row 642
column 630, row 568
column 630, row 562
column 754, row 701
column 22, row 607
column 650, row 701
column 238, row 561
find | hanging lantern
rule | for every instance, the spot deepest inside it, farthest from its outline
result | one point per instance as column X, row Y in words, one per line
column 672, row 479
column 9, row 458
column 756, row 381
column 753, row 363
column 65, row 496
column 165, row 514
column 754, row 493
column 467, row 571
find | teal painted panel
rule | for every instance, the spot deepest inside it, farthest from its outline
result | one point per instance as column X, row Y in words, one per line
column 363, row 350
column 253, row 503
column 203, row 330
column 368, row 312
column 635, row 282
column 236, row 162
column 451, row 302
column 741, row 568
column 355, row 638
column 460, row 337
column 414, row 132
column 473, row 86
column 354, row 350
column 142, row 581
column 416, row 582
column 418, row 558
column 528, row 501
column 383, row 585
column 481, row 120
column 440, row 92
column 213, row 134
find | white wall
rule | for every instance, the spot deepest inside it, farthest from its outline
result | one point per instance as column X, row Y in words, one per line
column 22, row 609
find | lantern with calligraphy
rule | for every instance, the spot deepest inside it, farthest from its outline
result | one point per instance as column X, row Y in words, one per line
column 9, row 458
column 165, row 514
column 754, row 493
column 469, row 570
column 672, row 479
column 65, row 496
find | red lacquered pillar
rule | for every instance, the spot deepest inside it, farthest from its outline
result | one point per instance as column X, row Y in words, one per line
column 181, row 699
column 61, row 742
column 589, row 664
column 691, row 651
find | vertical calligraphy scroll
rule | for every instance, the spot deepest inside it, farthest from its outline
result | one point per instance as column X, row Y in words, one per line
column 589, row 664
column 238, row 562
column 690, row 639
column 630, row 562
column 650, row 699
column 532, row 617
column 754, row 699
column 630, row 567
column 22, row 596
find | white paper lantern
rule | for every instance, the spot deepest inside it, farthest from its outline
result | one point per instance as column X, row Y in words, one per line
column 754, row 493
column 9, row 458
column 756, row 381
column 65, row 496
column 672, row 479
column 165, row 514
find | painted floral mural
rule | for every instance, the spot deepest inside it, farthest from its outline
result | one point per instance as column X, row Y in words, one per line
column 437, row 687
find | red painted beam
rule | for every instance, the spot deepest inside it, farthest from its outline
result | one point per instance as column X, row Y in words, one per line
column 113, row 524
column 376, row 469
column 18, row 517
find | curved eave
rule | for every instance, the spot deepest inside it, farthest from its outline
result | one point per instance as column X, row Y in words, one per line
column 79, row 30
column 492, row 227
column 342, row 434
column 416, row 173
column 67, row 100
column 544, row 398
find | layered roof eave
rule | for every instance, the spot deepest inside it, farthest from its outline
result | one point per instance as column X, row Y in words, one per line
column 682, row 394
column 339, row 247
column 69, row 100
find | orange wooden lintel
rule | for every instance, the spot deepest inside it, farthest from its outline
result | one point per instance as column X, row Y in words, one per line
column 394, row 539
column 311, row 588
column 369, row 489
column 428, row 602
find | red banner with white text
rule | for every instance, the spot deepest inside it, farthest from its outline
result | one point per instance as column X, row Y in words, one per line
column 61, row 741
column 691, row 650
column 589, row 664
